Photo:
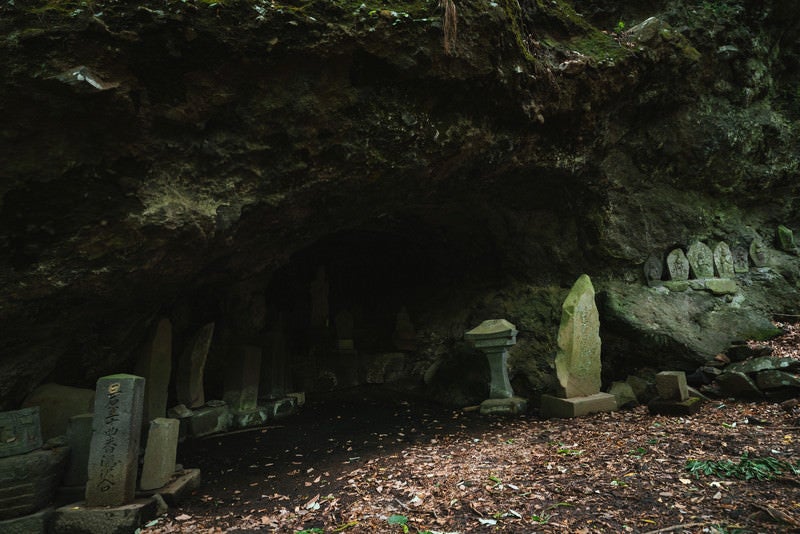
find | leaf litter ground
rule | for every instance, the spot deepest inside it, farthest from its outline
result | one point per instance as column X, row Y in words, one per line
column 367, row 460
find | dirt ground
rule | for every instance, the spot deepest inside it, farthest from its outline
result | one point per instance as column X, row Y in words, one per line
column 368, row 460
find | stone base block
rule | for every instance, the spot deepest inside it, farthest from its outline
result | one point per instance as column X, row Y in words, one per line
column 671, row 407
column 209, row 420
column 510, row 406
column 77, row 518
column 28, row 481
column 577, row 406
column 38, row 523
column 180, row 487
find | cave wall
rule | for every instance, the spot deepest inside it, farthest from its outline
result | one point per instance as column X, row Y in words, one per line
column 183, row 159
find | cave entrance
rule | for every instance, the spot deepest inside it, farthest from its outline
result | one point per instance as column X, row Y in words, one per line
column 352, row 308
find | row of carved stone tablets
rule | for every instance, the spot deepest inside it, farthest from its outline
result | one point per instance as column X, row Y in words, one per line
column 700, row 262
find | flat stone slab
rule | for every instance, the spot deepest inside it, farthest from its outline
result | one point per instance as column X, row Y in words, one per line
column 510, row 406
column 670, row 407
column 774, row 379
column 764, row 363
column 577, row 406
column 209, row 420
column 736, row 384
column 77, row 518
column 181, row 487
column 38, row 523
column 722, row 286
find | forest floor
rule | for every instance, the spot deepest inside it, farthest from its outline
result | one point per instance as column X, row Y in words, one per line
column 370, row 461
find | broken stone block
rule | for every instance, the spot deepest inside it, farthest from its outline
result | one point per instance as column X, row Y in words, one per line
column 737, row 384
column 641, row 387
column 181, row 486
column 774, row 379
column 299, row 397
column 281, row 408
column 20, row 431
column 577, row 406
column 671, row 386
column 678, row 286
column 209, row 420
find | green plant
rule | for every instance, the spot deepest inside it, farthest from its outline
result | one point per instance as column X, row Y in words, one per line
column 315, row 530
column 620, row 27
column 746, row 469
column 397, row 519
column 638, row 451
column 542, row 519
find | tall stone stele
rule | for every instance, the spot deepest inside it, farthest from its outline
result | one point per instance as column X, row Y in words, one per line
column 114, row 450
column 578, row 358
column 192, row 365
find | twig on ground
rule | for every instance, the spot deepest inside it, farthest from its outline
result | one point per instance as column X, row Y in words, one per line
column 674, row 527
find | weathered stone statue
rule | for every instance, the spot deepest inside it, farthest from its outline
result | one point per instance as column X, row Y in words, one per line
column 723, row 260
column 701, row 260
column 678, row 265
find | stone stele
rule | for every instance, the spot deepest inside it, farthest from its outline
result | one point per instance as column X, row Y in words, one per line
column 114, row 450
column 723, row 260
column 578, row 357
column 189, row 382
column 678, row 265
column 701, row 260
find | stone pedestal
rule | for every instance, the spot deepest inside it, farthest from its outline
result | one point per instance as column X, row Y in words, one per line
column 493, row 337
column 671, row 386
column 28, row 481
column 508, row 406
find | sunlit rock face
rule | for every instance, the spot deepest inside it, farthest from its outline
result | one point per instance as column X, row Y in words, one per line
column 202, row 162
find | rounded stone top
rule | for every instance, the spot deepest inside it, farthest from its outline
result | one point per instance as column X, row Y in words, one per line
column 491, row 329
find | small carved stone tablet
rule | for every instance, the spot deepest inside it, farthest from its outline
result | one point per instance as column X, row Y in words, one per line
column 701, row 260
column 678, row 265
column 741, row 262
column 759, row 253
column 723, row 260
column 654, row 268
